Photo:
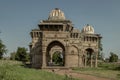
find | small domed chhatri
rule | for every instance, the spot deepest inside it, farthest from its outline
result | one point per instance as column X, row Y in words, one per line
column 88, row 29
column 56, row 14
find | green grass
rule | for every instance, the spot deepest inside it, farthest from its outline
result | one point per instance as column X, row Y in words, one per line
column 12, row 70
column 106, row 70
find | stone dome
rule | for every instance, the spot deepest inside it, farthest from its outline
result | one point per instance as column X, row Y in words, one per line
column 88, row 29
column 56, row 14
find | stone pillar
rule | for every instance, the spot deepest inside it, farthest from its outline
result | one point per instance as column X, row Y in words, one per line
column 51, row 57
column 66, row 57
column 35, row 34
column 96, row 59
column 85, row 61
column 66, row 54
column 44, row 59
column 79, row 58
column 91, row 61
column 85, row 57
column 33, row 60
column 80, row 64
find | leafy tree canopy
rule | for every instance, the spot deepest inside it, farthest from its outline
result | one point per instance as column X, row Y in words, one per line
column 21, row 54
column 57, row 58
column 2, row 49
column 113, row 57
column 12, row 55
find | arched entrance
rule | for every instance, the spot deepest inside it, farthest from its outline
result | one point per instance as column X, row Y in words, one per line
column 89, row 57
column 55, row 54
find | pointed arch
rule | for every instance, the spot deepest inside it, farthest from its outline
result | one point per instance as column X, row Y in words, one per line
column 51, row 46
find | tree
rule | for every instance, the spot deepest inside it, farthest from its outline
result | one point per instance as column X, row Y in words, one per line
column 21, row 54
column 57, row 58
column 12, row 55
column 113, row 57
column 2, row 49
column 100, row 49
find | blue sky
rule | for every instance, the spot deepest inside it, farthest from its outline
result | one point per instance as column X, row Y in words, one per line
column 19, row 17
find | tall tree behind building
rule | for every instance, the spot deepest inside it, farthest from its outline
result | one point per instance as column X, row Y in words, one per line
column 3, row 49
column 21, row 54
column 113, row 57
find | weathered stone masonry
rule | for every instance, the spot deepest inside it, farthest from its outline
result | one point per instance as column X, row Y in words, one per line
column 57, row 34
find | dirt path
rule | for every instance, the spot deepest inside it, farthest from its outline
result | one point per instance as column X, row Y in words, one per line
column 78, row 75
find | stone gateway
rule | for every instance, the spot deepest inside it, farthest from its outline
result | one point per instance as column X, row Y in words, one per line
column 56, row 43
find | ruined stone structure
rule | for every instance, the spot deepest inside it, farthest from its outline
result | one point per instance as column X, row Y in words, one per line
column 57, row 35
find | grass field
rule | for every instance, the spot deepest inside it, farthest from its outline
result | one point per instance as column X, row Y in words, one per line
column 12, row 70
column 106, row 70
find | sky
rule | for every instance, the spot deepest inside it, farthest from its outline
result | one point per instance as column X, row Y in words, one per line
column 19, row 17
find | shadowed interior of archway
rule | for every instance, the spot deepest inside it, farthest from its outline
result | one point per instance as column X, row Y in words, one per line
column 89, row 57
column 61, row 55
